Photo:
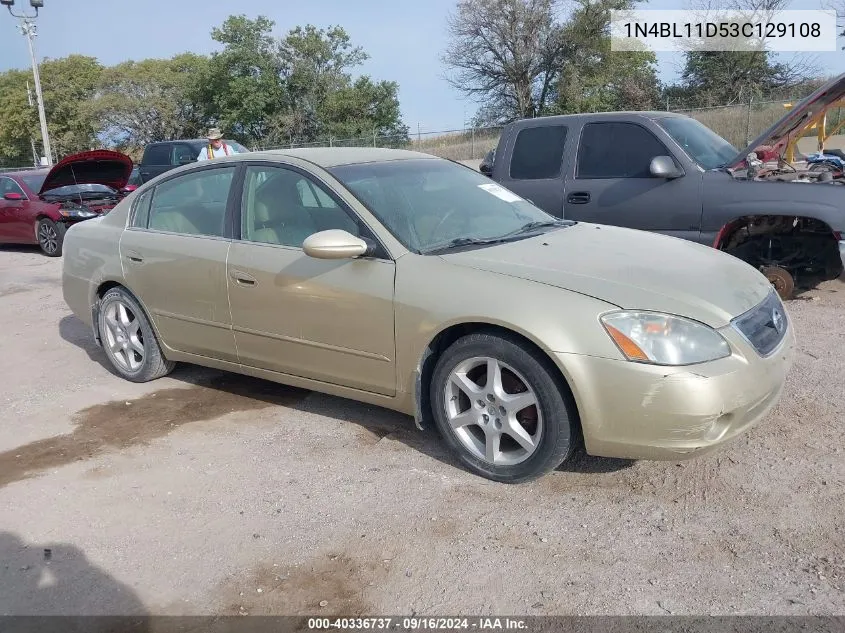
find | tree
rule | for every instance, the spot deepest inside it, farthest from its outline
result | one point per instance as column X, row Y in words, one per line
column 593, row 78
column 18, row 120
column 505, row 53
column 364, row 109
column 152, row 100
column 241, row 86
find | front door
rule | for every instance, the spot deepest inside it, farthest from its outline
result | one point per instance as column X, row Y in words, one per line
column 16, row 225
column 611, row 183
column 174, row 258
column 327, row 320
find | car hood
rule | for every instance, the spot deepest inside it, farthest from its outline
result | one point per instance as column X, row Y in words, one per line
column 98, row 167
column 796, row 120
column 630, row 269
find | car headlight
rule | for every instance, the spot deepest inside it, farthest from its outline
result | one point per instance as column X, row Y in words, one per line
column 664, row 339
column 76, row 213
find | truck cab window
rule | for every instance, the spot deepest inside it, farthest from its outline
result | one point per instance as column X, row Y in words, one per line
column 538, row 152
column 617, row 150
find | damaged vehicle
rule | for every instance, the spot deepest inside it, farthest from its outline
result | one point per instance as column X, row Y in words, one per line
column 411, row 282
column 668, row 173
column 38, row 206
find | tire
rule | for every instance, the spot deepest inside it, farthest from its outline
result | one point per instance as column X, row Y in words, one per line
column 51, row 236
column 468, row 428
column 128, row 338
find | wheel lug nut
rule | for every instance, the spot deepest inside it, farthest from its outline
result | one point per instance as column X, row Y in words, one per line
column 502, row 411
column 491, row 397
column 481, row 403
column 498, row 424
column 485, row 417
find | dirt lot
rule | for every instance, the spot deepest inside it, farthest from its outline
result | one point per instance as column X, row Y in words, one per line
column 208, row 493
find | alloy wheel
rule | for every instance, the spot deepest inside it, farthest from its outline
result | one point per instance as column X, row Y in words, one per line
column 123, row 336
column 493, row 411
column 48, row 238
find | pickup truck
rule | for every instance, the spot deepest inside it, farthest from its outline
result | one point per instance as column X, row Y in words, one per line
column 163, row 156
column 668, row 173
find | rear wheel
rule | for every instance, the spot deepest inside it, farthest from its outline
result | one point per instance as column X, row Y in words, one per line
column 500, row 409
column 128, row 338
column 50, row 235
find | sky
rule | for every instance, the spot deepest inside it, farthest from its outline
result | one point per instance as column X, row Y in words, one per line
column 404, row 38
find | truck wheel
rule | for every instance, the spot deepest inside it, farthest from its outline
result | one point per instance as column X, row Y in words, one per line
column 781, row 279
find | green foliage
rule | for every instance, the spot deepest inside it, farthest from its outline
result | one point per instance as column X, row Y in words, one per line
column 150, row 100
column 260, row 89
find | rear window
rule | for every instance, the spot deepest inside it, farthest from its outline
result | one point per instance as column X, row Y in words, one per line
column 538, row 152
column 157, row 154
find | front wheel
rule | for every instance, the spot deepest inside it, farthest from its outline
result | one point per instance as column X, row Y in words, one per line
column 500, row 408
column 50, row 235
column 128, row 338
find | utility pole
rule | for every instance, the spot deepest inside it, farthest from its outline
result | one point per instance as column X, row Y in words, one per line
column 27, row 29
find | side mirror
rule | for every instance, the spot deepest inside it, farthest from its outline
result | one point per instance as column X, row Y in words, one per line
column 12, row 196
column 334, row 244
column 664, row 167
column 486, row 169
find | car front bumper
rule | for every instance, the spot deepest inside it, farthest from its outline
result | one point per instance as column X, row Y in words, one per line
column 639, row 411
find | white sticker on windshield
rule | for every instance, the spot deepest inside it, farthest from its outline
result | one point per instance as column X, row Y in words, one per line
column 500, row 192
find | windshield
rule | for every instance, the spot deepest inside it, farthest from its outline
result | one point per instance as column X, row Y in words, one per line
column 701, row 143
column 34, row 182
column 428, row 203
column 76, row 190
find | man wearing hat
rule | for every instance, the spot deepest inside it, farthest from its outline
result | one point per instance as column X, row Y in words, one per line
column 216, row 147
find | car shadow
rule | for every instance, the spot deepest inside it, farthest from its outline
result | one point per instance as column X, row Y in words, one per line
column 51, row 579
column 378, row 422
column 21, row 248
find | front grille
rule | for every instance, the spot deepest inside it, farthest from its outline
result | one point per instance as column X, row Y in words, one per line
column 765, row 325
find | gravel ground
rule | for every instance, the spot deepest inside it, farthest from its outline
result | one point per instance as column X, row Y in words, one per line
column 207, row 493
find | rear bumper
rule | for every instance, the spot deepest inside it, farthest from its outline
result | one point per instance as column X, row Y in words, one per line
column 638, row 411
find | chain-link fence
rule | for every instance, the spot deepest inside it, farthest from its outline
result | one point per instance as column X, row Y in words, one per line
column 738, row 123
column 465, row 144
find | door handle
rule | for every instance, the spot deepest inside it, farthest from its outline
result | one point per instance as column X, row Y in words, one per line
column 578, row 197
column 243, row 279
column 134, row 256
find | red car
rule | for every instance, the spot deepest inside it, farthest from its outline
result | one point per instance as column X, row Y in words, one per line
column 37, row 206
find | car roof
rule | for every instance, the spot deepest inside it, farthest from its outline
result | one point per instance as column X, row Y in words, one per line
column 593, row 116
column 335, row 156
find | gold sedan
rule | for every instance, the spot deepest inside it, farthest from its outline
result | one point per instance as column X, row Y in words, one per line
column 408, row 281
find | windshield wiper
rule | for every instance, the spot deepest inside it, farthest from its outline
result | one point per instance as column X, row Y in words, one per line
column 538, row 224
column 525, row 228
column 463, row 241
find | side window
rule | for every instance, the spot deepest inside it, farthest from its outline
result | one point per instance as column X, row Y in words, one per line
column 193, row 204
column 281, row 206
column 142, row 210
column 183, row 154
column 617, row 150
column 157, row 154
column 7, row 185
column 538, row 152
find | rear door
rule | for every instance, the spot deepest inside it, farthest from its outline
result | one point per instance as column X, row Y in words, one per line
column 156, row 160
column 610, row 182
column 174, row 259
column 533, row 167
